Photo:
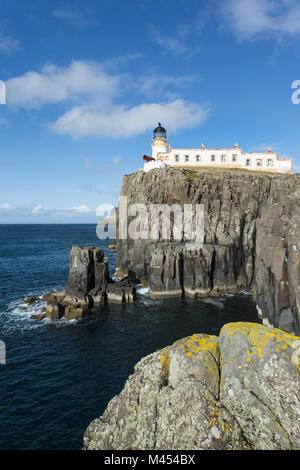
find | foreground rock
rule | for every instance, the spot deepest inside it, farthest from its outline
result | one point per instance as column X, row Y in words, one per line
column 238, row 391
column 252, row 239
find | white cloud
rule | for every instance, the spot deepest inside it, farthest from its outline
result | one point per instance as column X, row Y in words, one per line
column 122, row 122
column 184, row 39
column 8, row 45
column 171, row 43
column 83, row 209
column 41, row 212
column 6, row 207
column 252, row 19
column 153, row 83
column 38, row 209
column 88, row 80
column 91, row 90
column 79, row 18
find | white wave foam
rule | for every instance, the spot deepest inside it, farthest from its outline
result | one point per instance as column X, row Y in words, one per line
column 142, row 290
column 245, row 292
column 217, row 302
column 18, row 316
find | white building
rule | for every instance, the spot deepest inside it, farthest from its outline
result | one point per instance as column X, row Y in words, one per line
column 164, row 155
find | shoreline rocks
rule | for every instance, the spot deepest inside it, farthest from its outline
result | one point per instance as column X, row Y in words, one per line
column 30, row 300
column 235, row 391
column 89, row 286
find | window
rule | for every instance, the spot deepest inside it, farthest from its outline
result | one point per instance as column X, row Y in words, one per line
column 248, row 162
column 176, row 158
column 269, row 162
column 186, row 158
column 234, row 158
column 213, row 158
column 197, row 158
column 223, row 158
column 258, row 162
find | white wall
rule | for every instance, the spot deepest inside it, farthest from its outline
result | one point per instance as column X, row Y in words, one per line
column 224, row 158
column 152, row 165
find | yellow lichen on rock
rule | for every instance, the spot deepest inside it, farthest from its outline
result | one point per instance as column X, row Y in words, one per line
column 194, row 357
column 195, row 345
column 260, row 336
column 165, row 361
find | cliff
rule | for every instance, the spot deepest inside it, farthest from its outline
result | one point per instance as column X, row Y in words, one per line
column 251, row 242
column 235, row 391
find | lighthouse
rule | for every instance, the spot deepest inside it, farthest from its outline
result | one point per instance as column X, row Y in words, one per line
column 159, row 141
column 163, row 156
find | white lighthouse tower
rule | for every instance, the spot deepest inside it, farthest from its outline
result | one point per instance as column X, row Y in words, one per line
column 159, row 141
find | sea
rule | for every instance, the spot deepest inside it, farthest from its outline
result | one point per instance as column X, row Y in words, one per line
column 60, row 375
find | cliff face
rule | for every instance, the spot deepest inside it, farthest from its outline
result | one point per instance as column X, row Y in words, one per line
column 252, row 239
column 235, row 391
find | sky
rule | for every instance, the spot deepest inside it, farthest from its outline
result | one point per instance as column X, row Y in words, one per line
column 87, row 82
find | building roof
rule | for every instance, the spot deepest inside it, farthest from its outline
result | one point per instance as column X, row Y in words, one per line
column 159, row 129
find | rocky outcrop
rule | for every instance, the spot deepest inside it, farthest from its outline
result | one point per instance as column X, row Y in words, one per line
column 236, row 391
column 251, row 239
column 89, row 286
column 88, row 272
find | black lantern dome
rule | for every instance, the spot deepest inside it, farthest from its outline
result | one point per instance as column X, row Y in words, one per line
column 159, row 132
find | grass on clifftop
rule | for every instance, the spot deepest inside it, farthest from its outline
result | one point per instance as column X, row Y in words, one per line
column 194, row 173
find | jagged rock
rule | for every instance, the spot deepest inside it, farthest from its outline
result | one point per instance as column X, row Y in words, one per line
column 252, row 241
column 38, row 317
column 88, row 272
column 75, row 302
column 238, row 391
column 99, row 300
column 74, row 313
column 54, row 311
column 57, row 297
column 89, row 286
column 31, row 300
column 120, row 293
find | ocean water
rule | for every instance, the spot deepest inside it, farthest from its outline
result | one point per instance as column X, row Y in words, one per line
column 60, row 375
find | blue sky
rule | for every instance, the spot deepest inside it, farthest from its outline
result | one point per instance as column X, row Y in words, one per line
column 87, row 82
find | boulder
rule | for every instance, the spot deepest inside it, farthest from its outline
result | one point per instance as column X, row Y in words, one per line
column 54, row 311
column 235, row 391
column 38, row 317
column 54, row 297
column 73, row 313
column 85, row 302
column 260, row 381
column 31, row 300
